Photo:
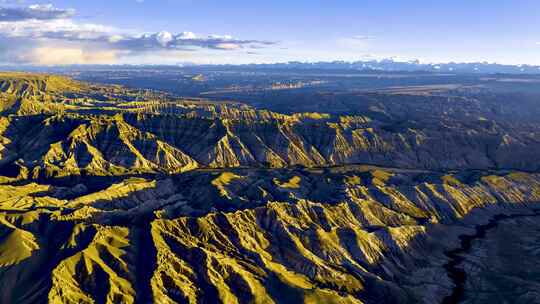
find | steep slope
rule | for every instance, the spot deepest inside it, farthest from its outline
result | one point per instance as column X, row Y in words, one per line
column 103, row 131
column 32, row 93
column 72, row 144
column 114, row 195
column 346, row 235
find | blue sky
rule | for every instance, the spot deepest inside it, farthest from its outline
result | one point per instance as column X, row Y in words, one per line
column 205, row 31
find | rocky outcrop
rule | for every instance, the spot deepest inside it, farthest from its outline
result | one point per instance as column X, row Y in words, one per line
column 112, row 195
column 135, row 143
column 345, row 235
column 103, row 131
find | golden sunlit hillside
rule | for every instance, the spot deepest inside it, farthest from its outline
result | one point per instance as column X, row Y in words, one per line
column 118, row 195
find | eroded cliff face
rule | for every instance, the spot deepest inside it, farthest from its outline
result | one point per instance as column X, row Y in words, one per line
column 71, row 144
column 110, row 131
column 125, row 196
column 341, row 235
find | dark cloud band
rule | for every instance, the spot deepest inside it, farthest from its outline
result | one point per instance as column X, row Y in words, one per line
column 34, row 12
column 166, row 40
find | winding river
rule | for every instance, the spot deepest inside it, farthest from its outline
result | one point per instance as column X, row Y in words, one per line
column 455, row 269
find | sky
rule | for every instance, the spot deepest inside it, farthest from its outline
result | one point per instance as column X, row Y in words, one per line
column 237, row 31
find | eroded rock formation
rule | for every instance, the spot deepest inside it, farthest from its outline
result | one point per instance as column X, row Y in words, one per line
column 123, row 196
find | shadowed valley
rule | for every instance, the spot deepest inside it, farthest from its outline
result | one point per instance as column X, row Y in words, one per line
column 111, row 194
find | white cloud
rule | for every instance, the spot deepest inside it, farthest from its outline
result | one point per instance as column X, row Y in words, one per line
column 38, row 30
column 69, row 55
column 221, row 37
column 60, row 29
column 164, row 38
column 187, row 35
column 362, row 37
column 115, row 38
column 227, row 46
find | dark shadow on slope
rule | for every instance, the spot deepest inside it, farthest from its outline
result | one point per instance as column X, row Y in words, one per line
column 145, row 261
column 35, row 273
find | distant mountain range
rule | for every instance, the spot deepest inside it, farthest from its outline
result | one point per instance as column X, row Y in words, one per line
column 390, row 65
column 385, row 65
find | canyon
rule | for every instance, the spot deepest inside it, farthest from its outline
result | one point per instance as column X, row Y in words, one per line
column 111, row 194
